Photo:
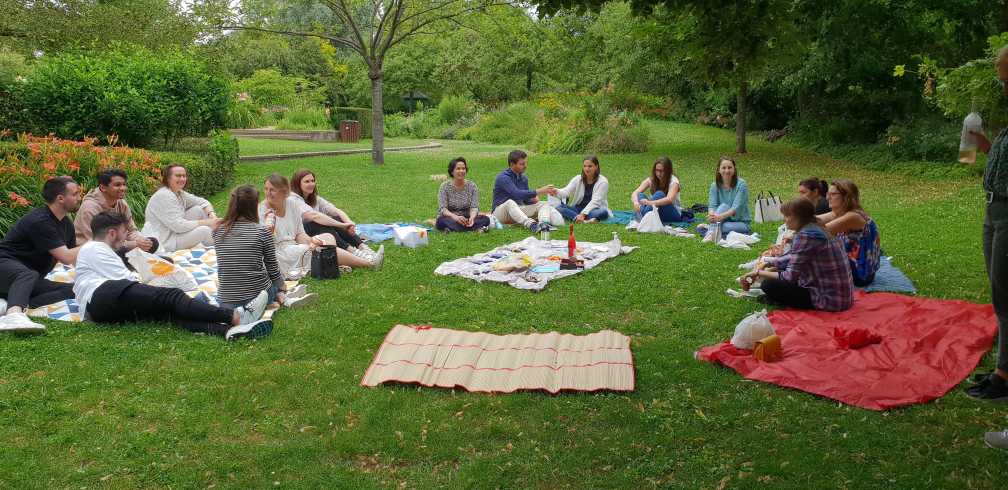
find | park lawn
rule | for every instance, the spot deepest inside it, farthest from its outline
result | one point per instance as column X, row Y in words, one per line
column 262, row 146
column 153, row 406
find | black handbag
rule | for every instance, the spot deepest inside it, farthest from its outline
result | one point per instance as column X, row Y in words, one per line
column 324, row 263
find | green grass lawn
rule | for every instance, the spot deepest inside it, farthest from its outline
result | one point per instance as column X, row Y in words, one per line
column 151, row 406
column 262, row 146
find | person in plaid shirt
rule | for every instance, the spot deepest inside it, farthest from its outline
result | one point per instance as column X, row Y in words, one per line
column 818, row 275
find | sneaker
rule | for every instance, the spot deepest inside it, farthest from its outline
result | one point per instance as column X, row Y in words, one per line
column 365, row 247
column 545, row 227
column 994, row 389
column 297, row 291
column 591, row 220
column 301, row 301
column 253, row 310
column 345, row 269
column 532, row 226
column 3, row 307
column 997, row 440
column 378, row 258
column 254, row 330
column 19, row 322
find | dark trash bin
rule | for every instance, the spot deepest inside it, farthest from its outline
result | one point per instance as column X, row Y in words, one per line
column 349, row 131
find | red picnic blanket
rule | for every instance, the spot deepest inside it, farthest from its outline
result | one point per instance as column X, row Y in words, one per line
column 927, row 346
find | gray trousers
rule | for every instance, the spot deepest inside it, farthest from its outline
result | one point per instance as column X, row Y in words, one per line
column 995, row 247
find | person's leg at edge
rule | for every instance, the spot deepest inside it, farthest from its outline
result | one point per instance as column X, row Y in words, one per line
column 995, row 247
column 598, row 214
column 16, row 283
column 786, row 293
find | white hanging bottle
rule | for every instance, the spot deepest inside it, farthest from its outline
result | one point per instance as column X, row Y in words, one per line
column 968, row 142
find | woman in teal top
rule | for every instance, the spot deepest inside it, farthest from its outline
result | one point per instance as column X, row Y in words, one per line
column 728, row 200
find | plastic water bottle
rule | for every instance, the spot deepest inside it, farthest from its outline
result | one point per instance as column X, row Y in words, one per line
column 496, row 224
column 615, row 246
column 968, row 142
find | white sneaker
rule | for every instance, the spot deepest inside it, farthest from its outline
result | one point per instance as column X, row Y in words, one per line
column 365, row 247
column 3, row 307
column 254, row 330
column 297, row 291
column 378, row 259
column 19, row 322
column 301, row 301
column 253, row 310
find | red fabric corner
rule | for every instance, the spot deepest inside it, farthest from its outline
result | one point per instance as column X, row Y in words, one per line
column 927, row 346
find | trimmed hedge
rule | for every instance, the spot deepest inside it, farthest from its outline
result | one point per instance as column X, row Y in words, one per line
column 210, row 170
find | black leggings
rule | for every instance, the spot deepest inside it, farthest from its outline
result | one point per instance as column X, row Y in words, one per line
column 786, row 293
column 344, row 239
column 129, row 301
column 24, row 287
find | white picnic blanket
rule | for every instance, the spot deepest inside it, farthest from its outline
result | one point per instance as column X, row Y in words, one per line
column 540, row 269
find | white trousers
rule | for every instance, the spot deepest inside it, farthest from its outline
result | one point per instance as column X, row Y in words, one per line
column 510, row 212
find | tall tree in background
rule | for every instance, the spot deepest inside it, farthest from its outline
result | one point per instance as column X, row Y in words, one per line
column 734, row 44
column 369, row 28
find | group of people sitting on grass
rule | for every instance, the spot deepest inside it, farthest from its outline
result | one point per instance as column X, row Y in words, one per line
column 259, row 245
column 832, row 245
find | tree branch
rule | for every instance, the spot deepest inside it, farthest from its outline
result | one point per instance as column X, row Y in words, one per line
column 341, row 41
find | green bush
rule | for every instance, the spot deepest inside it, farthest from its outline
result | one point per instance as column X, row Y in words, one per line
column 396, row 125
column 13, row 115
column 305, row 116
column 271, row 88
column 516, row 124
column 453, row 108
column 622, row 133
column 934, row 140
column 244, row 114
column 132, row 92
column 211, row 169
column 12, row 66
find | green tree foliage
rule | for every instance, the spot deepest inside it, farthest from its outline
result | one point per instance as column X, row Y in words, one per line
column 52, row 25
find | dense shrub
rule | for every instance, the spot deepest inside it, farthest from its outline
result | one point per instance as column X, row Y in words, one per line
column 131, row 92
column 453, row 108
column 27, row 163
column 934, row 140
column 13, row 66
column 517, row 123
column 210, row 168
column 269, row 88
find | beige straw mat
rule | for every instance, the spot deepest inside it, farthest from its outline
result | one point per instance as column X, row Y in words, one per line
column 478, row 361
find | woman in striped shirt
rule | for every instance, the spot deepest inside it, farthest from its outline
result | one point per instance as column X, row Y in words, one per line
column 246, row 256
column 818, row 275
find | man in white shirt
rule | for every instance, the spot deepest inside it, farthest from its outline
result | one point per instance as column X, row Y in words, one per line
column 108, row 292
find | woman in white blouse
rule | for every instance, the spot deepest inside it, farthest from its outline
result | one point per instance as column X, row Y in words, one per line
column 282, row 214
column 586, row 195
column 178, row 219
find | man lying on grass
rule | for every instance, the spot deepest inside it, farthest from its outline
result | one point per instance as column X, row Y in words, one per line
column 107, row 292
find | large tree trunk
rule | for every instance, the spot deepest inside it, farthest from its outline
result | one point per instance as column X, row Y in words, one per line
column 740, row 117
column 377, row 118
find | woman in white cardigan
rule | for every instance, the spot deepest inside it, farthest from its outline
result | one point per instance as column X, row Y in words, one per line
column 178, row 219
column 586, row 197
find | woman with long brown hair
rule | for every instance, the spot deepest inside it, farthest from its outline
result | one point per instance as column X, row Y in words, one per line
column 727, row 200
column 281, row 214
column 246, row 255
column 323, row 217
column 664, row 188
column 852, row 225
column 587, row 194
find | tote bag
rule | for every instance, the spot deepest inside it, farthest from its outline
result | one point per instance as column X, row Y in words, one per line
column 767, row 207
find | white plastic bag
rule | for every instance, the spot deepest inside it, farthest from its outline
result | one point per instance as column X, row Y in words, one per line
column 651, row 223
column 155, row 271
column 410, row 236
column 783, row 233
column 752, row 329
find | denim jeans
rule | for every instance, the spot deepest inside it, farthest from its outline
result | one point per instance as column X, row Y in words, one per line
column 730, row 226
column 271, row 294
column 668, row 213
column 571, row 213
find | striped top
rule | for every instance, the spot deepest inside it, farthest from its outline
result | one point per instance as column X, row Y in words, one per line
column 246, row 262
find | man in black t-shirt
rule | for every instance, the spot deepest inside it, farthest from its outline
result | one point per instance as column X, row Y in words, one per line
column 30, row 250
